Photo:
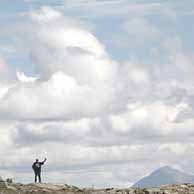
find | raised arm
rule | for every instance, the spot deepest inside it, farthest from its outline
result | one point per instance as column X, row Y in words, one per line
column 44, row 161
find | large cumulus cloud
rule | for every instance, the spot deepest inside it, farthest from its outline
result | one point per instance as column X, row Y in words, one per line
column 75, row 75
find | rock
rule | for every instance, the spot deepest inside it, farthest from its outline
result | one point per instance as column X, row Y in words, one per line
column 3, row 184
column 16, row 188
column 9, row 180
column 109, row 189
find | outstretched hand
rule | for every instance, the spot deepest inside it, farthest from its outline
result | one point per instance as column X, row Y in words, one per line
column 45, row 160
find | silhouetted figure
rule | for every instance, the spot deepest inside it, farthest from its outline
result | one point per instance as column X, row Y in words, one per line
column 37, row 169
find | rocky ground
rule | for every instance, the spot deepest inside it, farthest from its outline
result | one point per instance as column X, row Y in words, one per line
column 17, row 188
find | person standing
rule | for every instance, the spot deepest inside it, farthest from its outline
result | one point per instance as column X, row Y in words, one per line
column 37, row 169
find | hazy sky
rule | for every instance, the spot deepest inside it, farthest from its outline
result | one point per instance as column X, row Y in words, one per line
column 103, row 88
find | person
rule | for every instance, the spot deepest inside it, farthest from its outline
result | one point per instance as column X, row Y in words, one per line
column 37, row 169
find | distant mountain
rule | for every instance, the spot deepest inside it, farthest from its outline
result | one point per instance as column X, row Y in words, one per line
column 164, row 176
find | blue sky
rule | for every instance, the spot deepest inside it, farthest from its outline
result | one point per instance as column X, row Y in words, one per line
column 172, row 18
column 99, row 87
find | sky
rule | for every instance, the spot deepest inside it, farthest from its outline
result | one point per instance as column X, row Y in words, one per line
column 104, row 89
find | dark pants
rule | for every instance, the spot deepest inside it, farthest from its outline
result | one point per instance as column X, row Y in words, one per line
column 37, row 174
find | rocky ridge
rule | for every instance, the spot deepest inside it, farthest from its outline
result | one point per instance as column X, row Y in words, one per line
column 17, row 188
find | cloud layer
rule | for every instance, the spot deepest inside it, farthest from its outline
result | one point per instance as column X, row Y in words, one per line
column 96, row 118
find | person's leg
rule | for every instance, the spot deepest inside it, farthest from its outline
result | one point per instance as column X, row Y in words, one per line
column 35, row 179
column 39, row 177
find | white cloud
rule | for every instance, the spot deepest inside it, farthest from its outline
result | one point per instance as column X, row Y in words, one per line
column 119, row 8
column 146, row 121
column 23, row 78
column 45, row 14
column 68, row 48
column 3, row 90
column 141, row 31
column 61, row 93
column 76, row 75
column 176, row 148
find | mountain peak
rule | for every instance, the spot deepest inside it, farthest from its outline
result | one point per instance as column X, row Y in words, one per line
column 166, row 168
column 165, row 175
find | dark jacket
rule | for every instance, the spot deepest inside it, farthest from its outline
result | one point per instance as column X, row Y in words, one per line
column 37, row 166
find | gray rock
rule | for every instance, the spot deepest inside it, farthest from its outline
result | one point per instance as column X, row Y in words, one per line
column 9, row 180
column 16, row 188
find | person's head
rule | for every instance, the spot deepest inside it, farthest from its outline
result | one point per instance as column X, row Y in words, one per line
column 36, row 159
